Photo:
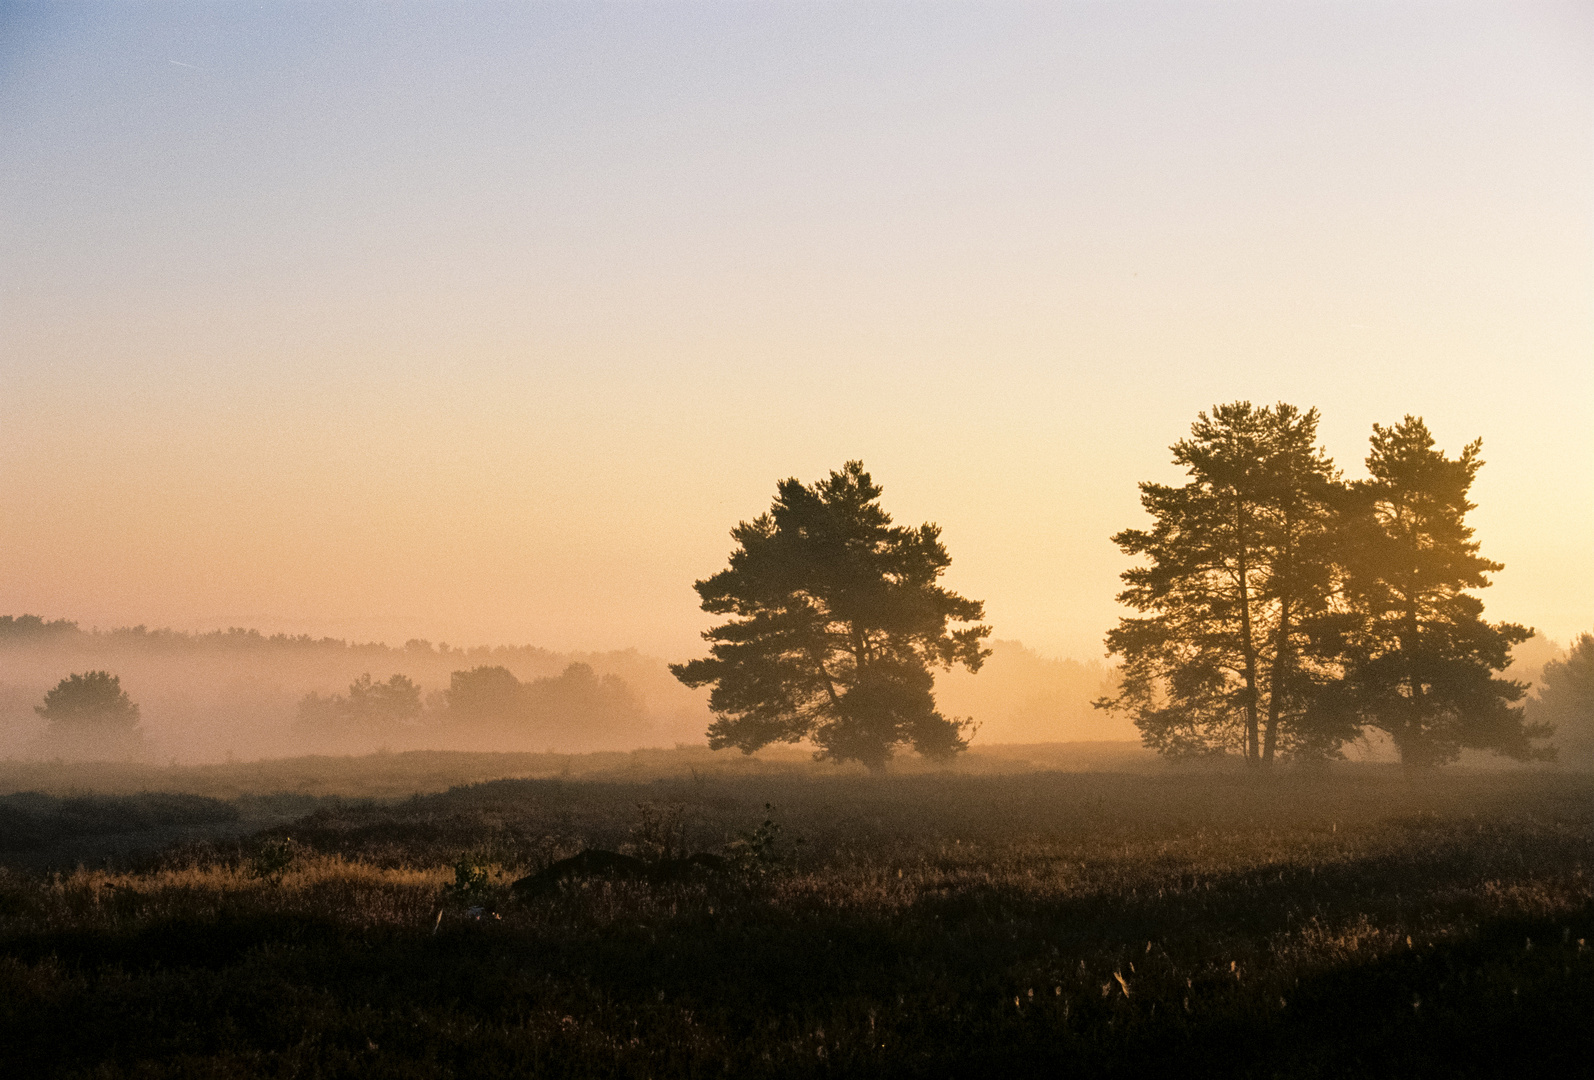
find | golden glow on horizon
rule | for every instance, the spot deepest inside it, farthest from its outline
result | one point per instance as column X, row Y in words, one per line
column 494, row 340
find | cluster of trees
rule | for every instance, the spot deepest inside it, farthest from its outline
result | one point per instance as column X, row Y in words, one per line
column 578, row 698
column 236, row 691
column 90, row 716
column 1284, row 610
column 484, row 698
column 369, row 708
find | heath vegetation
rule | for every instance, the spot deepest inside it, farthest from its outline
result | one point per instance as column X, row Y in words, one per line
column 1354, row 922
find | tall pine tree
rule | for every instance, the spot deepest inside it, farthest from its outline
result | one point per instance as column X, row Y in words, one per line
column 1419, row 659
column 1237, row 577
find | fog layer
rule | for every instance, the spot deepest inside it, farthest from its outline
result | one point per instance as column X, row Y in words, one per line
column 241, row 694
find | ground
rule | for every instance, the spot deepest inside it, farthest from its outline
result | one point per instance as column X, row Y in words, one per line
column 1356, row 921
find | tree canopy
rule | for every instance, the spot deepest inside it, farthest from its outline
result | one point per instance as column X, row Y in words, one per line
column 837, row 619
column 578, row 699
column 1566, row 701
column 370, row 706
column 1280, row 608
column 1419, row 658
column 93, row 700
column 1236, row 575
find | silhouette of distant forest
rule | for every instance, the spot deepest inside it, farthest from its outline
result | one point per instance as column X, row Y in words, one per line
column 239, row 692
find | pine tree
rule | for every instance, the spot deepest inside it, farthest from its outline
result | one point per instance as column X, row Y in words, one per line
column 837, row 621
column 1237, row 580
column 1565, row 702
column 1419, row 659
column 91, row 717
column 91, row 703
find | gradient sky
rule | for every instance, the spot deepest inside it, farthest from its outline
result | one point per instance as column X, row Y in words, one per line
column 487, row 322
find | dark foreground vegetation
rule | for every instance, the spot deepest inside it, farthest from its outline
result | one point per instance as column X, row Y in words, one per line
column 1361, row 921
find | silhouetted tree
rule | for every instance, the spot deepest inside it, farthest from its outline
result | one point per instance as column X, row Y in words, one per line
column 576, row 704
column 91, row 703
column 370, row 706
column 486, row 693
column 580, row 701
column 1419, row 659
column 1566, row 701
column 31, row 628
column 1235, row 591
column 837, row 619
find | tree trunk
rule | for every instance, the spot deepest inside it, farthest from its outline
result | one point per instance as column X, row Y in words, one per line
column 1412, row 751
column 1276, row 690
column 1252, row 691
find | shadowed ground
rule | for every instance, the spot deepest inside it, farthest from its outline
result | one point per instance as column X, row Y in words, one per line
column 1352, row 923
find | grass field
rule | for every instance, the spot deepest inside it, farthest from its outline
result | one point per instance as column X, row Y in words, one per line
column 995, row 921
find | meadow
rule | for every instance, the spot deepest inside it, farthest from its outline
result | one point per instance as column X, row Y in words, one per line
column 1011, row 918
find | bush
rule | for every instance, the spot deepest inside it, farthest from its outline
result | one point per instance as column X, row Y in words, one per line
column 274, row 859
column 472, row 882
column 759, row 852
column 660, row 833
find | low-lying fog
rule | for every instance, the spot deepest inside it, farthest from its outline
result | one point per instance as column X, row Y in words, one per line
column 240, row 694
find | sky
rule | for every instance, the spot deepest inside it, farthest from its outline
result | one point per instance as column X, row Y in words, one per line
column 486, row 322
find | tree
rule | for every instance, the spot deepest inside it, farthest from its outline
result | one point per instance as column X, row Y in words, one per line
column 1565, row 701
column 485, row 694
column 579, row 703
column 91, row 717
column 1234, row 591
column 837, row 620
column 370, row 706
column 92, row 703
column 578, row 707
column 1419, row 658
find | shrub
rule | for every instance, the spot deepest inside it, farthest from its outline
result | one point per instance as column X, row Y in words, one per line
column 660, row 832
column 274, row 859
column 471, row 882
column 759, row 851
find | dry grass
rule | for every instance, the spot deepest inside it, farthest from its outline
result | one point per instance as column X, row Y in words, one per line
column 398, row 775
column 1353, row 923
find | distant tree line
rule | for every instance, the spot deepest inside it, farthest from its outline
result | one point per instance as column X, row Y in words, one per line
column 32, row 630
column 1283, row 610
column 369, row 706
column 488, row 698
column 28, row 629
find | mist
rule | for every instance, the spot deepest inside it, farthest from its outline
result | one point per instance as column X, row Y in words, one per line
column 240, row 694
